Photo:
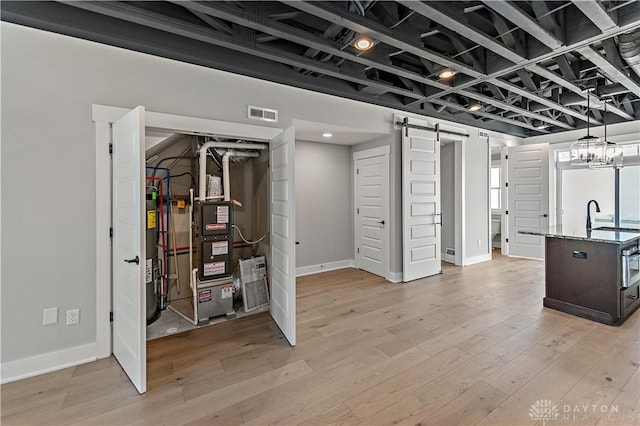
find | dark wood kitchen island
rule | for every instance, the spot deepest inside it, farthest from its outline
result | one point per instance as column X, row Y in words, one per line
column 583, row 273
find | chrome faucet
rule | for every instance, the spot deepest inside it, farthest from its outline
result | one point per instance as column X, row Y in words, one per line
column 589, row 212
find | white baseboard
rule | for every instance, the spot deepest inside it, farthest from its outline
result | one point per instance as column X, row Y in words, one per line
column 45, row 363
column 394, row 277
column 477, row 259
column 324, row 267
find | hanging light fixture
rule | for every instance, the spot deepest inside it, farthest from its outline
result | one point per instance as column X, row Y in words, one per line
column 612, row 153
column 588, row 150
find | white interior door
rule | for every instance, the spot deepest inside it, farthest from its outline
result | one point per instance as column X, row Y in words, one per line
column 421, row 215
column 528, row 198
column 283, row 221
column 129, row 330
column 372, row 214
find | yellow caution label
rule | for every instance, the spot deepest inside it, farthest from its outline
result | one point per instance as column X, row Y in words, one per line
column 151, row 219
column 181, row 204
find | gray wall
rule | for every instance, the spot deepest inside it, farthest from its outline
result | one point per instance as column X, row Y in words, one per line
column 49, row 83
column 447, row 190
column 324, row 203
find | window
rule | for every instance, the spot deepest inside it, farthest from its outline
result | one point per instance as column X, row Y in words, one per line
column 577, row 185
column 495, row 189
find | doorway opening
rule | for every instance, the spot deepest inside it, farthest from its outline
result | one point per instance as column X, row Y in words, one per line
column 200, row 276
column 121, row 194
column 371, row 216
column 452, row 199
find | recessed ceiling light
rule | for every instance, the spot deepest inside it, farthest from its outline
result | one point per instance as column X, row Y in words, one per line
column 446, row 73
column 327, row 135
column 363, row 43
column 474, row 107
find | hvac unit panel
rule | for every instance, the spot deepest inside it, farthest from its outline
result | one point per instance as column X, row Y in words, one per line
column 215, row 257
column 213, row 218
column 215, row 298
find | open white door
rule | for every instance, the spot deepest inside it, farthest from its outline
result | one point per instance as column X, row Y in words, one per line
column 421, row 216
column 283, row 225
column 129, row 331
column 528, row 194
column 372, row 211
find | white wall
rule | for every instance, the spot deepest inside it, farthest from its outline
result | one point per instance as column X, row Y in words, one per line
column 476, row 181
column 49, row 83
column 324, row 204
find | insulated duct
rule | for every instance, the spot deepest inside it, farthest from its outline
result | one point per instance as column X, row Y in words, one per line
column 629, row 46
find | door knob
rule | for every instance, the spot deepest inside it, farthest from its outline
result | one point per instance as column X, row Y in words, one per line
column 136, row 260
column 544, row 215
column 381, row 222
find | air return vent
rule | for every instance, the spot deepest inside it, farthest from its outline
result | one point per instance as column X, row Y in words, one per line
column 264, row 114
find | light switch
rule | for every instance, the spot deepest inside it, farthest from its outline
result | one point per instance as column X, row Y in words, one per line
column 50, row 316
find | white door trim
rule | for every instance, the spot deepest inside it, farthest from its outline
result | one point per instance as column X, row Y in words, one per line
column 103, row 116
column 373, row 152
column 384, row 150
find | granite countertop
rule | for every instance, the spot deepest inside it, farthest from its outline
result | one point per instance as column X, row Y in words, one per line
column 596, row 235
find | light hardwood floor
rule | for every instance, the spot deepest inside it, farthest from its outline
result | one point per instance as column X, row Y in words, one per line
column 471, row 346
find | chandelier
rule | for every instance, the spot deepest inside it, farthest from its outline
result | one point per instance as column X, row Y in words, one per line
column 588, row 150
column 612, row 153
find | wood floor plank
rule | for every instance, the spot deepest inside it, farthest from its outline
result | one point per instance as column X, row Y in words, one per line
column 469, row 407
column 471, row 345
column 550, row 384
column 625, row 408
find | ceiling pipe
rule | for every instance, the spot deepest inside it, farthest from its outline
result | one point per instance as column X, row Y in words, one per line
column 629, row 46
column 202, row 194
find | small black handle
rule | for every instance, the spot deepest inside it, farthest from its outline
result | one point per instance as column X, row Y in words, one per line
column 136, row 260
column 545, row 215
column 580, row 254
column 381, row 222
column 297, row 243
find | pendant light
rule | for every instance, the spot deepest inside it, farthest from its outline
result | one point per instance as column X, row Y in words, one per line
column 612, row 153
column 588, row 150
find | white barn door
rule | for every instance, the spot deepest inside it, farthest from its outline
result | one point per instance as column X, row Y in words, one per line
column 129, row 297
column 421, row 215
column 528, row 194
column 283, row 221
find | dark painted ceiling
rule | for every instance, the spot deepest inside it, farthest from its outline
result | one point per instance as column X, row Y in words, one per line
column 529, row 64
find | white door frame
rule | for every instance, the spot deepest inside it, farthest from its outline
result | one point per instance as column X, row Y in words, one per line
column 384, row 150
column 103, row 116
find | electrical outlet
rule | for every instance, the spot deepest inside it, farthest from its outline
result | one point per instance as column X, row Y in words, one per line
column 73, row 316
column 50, row 316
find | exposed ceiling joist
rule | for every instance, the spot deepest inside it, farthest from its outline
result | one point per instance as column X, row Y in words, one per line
column 597, row 13
column 516, row 15
column 521, row 60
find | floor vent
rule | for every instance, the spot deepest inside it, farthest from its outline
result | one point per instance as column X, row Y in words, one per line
column 264, row 114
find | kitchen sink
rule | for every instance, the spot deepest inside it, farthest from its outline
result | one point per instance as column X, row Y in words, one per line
column 611, row 228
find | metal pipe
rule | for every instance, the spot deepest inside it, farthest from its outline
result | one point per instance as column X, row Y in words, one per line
column 202, row 179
